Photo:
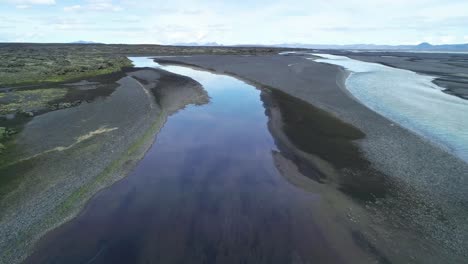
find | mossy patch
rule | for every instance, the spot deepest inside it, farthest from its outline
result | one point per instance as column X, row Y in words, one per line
column 6, row 133
column 29, row 100
column 23, row 68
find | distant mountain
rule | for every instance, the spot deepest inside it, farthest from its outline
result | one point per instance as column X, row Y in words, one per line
column 84, row 42
column 446, row 47
column 424, row 45
column 206, row 44
column 420, row 47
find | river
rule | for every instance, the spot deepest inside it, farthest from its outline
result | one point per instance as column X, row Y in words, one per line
column 409, row 99
column 207, row 191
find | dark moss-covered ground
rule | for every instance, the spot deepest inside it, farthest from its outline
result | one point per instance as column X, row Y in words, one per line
column 31, row 65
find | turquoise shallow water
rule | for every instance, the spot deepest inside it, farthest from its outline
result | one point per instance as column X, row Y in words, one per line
column 409, row 99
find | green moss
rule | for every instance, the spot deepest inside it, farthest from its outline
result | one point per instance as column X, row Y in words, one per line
column 30, row 100
column 20, row 68
column 7, row 155
column 87, row 73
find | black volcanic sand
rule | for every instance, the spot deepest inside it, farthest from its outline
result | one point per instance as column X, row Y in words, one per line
column 450, row 69
column 405, row 198
column 61, row 158
column 307, row 130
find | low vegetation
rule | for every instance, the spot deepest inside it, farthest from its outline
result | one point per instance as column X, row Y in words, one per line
column 30, row 66
column 28, row 101
column 24, row 64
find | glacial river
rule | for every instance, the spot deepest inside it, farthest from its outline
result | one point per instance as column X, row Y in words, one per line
column 207, row 191
column 409, row 99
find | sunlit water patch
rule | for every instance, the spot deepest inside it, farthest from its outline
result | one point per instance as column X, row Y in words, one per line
column 409, row 99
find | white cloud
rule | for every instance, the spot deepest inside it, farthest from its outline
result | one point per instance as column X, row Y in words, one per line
column 447, row 39
column 23, row 6
column 31, row 2
column 95, row 5
column 254, row 21
column 72, row 8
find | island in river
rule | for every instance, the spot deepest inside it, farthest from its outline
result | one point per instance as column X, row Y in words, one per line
column 321, row 168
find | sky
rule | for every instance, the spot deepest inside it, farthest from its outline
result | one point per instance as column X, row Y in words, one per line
column 236, row 21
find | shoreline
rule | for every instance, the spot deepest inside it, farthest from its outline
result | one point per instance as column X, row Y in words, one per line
column 447, row 68
column 415, row 166
column 401, row 101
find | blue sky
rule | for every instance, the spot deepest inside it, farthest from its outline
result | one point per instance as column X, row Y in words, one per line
column 235, row 22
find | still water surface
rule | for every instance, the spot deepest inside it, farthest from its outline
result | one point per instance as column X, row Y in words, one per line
column 207, row 191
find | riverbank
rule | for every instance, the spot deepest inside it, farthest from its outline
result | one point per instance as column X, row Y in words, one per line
column 404, row 211
column 211, row 188
column 404, row 98
column 47, row 182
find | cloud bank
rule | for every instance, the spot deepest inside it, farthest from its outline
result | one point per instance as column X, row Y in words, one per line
column 236, row 22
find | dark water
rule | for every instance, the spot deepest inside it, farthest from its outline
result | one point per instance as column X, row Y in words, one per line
column 207, row 191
